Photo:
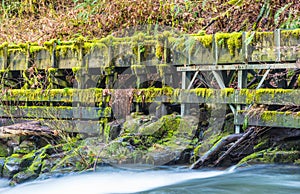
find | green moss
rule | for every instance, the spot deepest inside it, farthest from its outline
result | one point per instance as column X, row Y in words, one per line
column 52, row 70
column 107, row 112
column 271, row 116
column 50, row 44
column 290, row 33
column 89, row 47
column 249, row 95
column 260, row 36
column 3, row 150
column 271, row 92
column 159, row 50
column 35, row 49
column 64, row 50
column 227, row 92
column 205, row 40
column 3, row 45
column 270, row 156
column 196, row 151
column 232, row 40
column 75, row 70
column 167, row 90
column 203, row 92
column 262, row 144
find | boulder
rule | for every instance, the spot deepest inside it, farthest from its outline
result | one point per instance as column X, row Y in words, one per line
column 25, row 147
column 23, row 176
column 4, row 150
column 16, row 163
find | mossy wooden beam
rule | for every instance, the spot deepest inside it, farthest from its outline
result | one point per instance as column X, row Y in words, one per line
column 230, row 48
column 58, row 112
column 165, row 94
column 268, row 118
column 67, row 95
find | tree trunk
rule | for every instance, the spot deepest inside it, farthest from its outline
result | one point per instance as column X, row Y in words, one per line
column 27, row 128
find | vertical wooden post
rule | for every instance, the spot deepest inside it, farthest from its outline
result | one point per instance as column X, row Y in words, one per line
column 53, row 56
column 138, row 80
column 277, row 44
column 184, row 76
column 242, row 83
column 245, row 47
column 242, row 77
column 4, row 64
column 183, row 84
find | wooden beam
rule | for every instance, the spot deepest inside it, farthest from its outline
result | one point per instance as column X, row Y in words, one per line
column 269, row 118
column 60, row 112
column 203, row 95
column 238, row 67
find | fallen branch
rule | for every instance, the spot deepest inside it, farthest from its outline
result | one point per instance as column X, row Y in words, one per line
column 215, row 149
column 27, row 128
column 234, row 145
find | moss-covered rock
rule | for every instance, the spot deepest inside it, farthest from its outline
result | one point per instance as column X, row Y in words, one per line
column 2, row 162
column 272, row 156
column 4, row 150
column 152, row 142
column 16, row 163
column 25, row 147
column 23, row 176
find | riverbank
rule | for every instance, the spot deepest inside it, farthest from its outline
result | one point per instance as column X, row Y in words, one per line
column 143, row 142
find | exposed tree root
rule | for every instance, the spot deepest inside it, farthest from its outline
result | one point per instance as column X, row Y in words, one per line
column 214, row 150
column 238, row 142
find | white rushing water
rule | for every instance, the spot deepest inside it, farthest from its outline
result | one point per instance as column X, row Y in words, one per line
column 109, row 182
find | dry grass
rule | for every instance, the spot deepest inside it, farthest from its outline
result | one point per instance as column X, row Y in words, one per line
column 38, row 21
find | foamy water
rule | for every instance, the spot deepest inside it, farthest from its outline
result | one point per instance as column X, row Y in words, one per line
column 255, row 179
column 110, row 181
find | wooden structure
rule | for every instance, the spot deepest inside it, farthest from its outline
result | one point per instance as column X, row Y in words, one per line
column 79, row 80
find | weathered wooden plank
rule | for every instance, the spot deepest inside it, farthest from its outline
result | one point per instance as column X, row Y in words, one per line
column 95, row 55
column 67, row 95
column 166, row 94
column 68, row 55
column 269, row 118
column 48, row 112
column 41, row 57
column 17, row 58
column 221, row 48
column 239, row 67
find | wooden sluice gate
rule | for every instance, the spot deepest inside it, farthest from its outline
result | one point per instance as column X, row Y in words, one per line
column 89, row 82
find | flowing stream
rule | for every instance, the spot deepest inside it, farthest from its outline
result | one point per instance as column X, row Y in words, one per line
column 255, row 179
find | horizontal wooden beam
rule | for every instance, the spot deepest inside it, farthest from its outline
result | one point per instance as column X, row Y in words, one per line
column 93, row 97
column 60, row 112
column 268, row 118
column 239, row 67
column 220, row 48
